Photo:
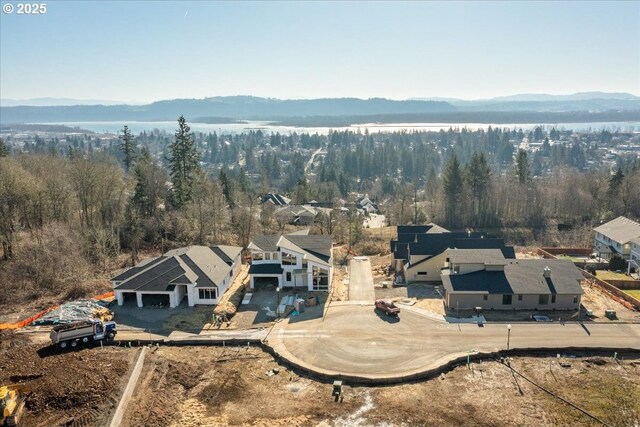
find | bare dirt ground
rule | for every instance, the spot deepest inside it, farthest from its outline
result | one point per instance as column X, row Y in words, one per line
column 212, row 386
column 75, row 388
column 597, row 300
column 426, row 295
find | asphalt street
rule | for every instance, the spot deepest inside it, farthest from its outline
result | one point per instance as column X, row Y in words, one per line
column 357, row 340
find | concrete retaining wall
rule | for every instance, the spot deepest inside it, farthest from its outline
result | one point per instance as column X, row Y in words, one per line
column 448, row 365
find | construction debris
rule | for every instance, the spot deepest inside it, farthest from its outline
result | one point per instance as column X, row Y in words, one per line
column 76, row 311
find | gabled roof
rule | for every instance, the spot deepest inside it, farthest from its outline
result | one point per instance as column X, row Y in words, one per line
column 620, row 230
column 524, row 276
column 276, row 199
column 192, row 264
column 477, row 256
column 265, row 243
column 316, row 246
column 486, row 243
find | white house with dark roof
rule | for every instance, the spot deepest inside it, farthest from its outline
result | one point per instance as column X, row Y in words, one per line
column 200, row 273
column 614, row 238
column 296, row 260
column 484, row 278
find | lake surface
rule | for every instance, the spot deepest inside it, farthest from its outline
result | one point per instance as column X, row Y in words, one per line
column 233, row 128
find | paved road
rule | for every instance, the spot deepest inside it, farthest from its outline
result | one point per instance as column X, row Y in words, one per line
column 354, row 340
column 361, row 281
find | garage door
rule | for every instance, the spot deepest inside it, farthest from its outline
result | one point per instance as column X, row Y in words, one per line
column 265, row 283
column 155, row 300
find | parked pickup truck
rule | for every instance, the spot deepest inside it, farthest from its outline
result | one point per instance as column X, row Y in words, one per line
column 388, row 307
column 73, row 334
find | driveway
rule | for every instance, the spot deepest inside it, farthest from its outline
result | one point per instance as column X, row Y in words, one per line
column 361, row 281
column 355, row 340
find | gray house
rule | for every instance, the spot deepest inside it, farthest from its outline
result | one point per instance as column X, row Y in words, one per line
column 484, row 278
column 615, row 238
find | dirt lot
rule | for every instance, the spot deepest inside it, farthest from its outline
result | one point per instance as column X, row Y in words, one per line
column 211, row 386
column 82, row 386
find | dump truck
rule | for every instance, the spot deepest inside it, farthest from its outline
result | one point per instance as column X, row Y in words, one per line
column 85, row 332
column 12, row 399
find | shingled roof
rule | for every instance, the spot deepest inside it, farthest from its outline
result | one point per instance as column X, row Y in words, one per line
column 193, row 264
column 620, row 230
column 524, row 276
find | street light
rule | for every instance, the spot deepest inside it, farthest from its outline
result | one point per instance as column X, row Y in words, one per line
column 508, row 335
column 278, row 301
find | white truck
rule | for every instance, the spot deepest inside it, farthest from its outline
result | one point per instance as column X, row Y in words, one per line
column 74, row 334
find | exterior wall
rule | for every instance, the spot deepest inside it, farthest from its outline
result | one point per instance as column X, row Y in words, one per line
column 194, row 297
column 289, row 268
column 432, row 267
column 469, row 268
column 494, row 301
column 327, row 267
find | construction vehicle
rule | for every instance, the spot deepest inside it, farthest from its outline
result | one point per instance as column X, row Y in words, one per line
column 73, row 334
column 12, row 400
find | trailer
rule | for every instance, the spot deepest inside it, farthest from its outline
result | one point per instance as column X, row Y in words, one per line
column 85, row 332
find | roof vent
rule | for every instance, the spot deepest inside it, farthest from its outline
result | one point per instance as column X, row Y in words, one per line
column 547, row 272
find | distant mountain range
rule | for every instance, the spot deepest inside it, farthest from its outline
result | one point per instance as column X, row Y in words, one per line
column 55, row 102
column 233, row 108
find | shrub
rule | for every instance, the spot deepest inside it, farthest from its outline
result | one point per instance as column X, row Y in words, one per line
column 617, row 263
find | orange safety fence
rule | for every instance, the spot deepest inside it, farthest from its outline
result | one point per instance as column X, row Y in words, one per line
column 29, row 320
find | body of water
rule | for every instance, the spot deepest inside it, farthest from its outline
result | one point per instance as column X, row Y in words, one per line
column 233, row 128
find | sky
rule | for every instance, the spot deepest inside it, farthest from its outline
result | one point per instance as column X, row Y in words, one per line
column 151, row 50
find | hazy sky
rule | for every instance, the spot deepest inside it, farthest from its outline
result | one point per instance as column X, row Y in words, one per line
column 145, row 51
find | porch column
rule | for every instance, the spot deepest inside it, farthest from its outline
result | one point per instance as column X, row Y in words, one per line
column 120, row 297
column 252, row 285
column 139, row 299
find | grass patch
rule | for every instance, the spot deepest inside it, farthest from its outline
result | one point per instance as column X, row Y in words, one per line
column 573, row 259
column 611, row 275
column 633, row 292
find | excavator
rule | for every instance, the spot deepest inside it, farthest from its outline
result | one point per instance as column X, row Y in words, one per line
column 12, row 400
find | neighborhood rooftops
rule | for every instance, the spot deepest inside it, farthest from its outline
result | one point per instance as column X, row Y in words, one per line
column 193, row 264
column 520, row 277
column 620, row 230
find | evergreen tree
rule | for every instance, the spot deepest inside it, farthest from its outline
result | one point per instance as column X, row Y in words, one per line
column 477, row 176
column 521, row 167
column 453, row 186
column 184, row 164
column 128, row 148
column 616, row 181
column 4, row 150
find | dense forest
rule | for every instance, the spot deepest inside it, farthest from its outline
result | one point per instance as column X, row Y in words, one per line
column 69, row 205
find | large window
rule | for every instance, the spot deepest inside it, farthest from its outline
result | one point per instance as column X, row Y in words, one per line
column 207, row 293
column 506, row 299
column 288, row 276
column 257, row 256
column 320, row 279
column 288, row 259
column 553, row 299
column 543, row 299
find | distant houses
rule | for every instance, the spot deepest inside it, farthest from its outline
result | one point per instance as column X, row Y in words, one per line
column 616, row 237
column 296, row 260
column 200, row 273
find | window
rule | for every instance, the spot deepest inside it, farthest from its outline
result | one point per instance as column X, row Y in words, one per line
column 485, row 297
column 506, row 299
column 543, row 299
column 422, row 273
column 276, row 256
column 267, row 256
column 207, row 293
column 288, row 259
column 519, row 297
column 575, row 299
column 553, row 299
column 257, row 256
column 288, row 276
